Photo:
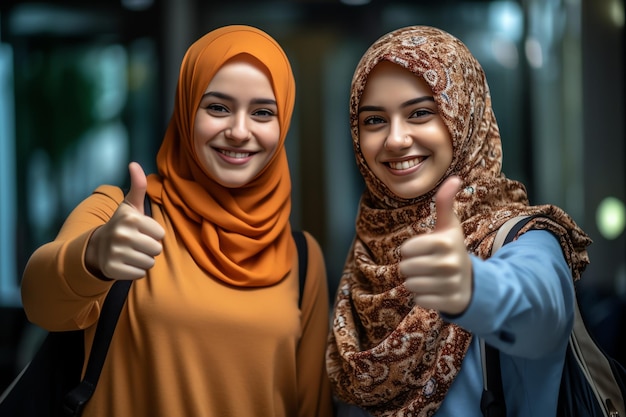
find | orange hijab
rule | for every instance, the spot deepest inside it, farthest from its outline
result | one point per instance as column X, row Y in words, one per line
column 241, row 236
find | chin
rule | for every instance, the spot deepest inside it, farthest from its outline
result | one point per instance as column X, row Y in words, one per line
column 407, row 196
column 407, row 192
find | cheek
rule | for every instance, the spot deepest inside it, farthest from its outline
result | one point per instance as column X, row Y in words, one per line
column 442, row 142
column 445, row 132
column 198, row 140
column 447, row 149
column 205, row 127
column 269, row 136
column 204, row 131
column 450, row 154
column 369, row 149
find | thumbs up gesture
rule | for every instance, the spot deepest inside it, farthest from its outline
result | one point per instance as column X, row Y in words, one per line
column 436, row 265
column 124, row 248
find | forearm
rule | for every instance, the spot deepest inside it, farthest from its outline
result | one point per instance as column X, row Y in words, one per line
column 58, row 290
column 522, row 299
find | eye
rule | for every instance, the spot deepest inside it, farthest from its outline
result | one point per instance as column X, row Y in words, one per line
column 217, row 108
column 373, row 120
column 264, row 113
column 422, row 113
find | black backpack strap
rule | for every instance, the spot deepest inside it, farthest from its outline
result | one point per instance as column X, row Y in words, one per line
column 77, row 398
column 303, row 260
column 147, row 206
column 492, row 403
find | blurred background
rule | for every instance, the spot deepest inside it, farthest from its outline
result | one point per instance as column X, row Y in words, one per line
column 86, row 87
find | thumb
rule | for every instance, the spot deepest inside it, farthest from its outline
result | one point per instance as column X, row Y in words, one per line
column 444, row 200
column 138, row 186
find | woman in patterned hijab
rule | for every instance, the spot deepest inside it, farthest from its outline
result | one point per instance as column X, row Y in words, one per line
column 416, row 285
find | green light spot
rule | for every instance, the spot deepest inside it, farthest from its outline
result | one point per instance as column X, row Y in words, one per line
column 611, row 217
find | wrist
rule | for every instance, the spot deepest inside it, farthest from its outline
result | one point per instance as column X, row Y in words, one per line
column 91, row 257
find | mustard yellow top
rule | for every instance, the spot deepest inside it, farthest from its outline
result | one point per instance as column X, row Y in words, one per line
column 187, row 344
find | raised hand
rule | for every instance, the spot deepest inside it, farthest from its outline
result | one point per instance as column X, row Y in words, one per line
column 436, row 265
column 124, row 248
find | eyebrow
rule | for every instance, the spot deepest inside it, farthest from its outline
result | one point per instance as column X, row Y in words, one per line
column 231, row 98
column 405, row 104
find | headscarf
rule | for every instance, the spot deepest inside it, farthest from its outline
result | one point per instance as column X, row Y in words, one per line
column 385, row 353
column 239, row 235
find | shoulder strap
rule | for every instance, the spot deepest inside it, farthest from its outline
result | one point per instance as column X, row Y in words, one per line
column 77, row 398
column 492, row 402
column 590, row 358
column 303, row 259
column 596, row 367
column 507, row 232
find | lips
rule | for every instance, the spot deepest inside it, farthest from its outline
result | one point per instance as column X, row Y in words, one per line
column 234, row 157
column 406, row 164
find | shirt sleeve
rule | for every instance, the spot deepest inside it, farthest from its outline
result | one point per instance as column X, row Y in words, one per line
column 314, row 392
column 58, row 292
column 523, row 297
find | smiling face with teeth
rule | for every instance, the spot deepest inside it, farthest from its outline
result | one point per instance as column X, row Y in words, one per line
column 236, row 129
column 402, row 137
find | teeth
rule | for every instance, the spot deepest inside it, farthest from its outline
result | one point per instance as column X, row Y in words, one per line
column 404, row 164
column 236, row 154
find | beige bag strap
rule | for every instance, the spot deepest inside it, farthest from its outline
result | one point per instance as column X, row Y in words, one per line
column 590, row 358
column 503, row 231
column 596, row 368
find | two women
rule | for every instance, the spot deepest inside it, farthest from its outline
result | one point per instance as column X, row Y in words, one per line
column 212, row 324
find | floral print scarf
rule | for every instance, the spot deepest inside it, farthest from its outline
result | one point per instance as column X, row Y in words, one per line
column 385, row 353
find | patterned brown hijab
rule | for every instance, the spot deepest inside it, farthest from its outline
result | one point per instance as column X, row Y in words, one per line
column 386, row 354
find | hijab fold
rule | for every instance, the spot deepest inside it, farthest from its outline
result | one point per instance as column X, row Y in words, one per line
column 240, row 235
column 385, row 353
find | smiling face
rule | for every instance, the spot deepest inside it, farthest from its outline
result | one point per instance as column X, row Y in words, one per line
column 236, row 130
column 403, row 138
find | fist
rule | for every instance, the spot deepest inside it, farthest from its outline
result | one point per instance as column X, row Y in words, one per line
column 124, row 248
column 436, row 265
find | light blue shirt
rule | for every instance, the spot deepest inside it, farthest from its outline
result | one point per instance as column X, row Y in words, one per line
column 523, row 305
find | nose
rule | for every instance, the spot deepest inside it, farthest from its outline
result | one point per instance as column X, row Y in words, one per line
column 238, row 130
column 398, row 138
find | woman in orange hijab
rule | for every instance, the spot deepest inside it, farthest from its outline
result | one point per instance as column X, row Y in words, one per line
column 213, row 325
